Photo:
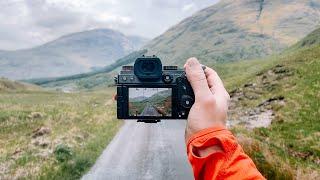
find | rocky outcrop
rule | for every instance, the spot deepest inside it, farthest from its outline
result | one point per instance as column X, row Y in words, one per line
column 264, row 112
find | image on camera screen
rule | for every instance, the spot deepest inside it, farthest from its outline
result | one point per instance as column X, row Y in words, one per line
column 154, row 102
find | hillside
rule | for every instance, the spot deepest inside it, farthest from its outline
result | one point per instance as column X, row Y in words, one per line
column 282, row 90
column 53, row 135
column 7, row 85
column 160, row 102
column 71, row 54
column 237, row 29
column 227, row 31
column 94, row 79
column 311, row 40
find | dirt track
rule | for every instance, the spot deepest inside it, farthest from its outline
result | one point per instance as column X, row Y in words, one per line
column 144, row 151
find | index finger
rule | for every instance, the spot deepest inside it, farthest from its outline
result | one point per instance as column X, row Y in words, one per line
column 213, row 79
column 197, row 79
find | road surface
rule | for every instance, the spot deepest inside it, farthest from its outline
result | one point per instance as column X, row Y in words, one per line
column 144, row 151
column 149, row 110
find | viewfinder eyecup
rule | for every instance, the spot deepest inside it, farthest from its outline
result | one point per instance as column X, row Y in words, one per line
column 148, row 69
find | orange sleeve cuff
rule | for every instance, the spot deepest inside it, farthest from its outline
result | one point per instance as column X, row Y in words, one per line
column 213, row 136
column 231, row 163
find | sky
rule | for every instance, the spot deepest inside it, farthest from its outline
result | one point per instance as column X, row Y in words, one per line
column 28, row 23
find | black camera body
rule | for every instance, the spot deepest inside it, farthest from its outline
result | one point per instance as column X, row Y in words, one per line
column 150, row 91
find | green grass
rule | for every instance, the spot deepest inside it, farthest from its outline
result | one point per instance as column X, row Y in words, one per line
column 289, row 147
column 83, row 122
column 9, row 85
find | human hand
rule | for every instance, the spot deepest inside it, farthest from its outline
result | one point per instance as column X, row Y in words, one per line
column 211, row 98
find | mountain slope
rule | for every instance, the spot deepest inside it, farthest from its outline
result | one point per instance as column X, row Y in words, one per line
column 70, row 54
column 285, row 90
column 94, row 79
column 8, row 86
column 312, row 39
column 237, row 29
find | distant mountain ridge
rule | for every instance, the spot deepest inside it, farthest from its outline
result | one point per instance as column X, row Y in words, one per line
column 237, row 29
column 94, row 79
column 227, row 31
column 70, row 54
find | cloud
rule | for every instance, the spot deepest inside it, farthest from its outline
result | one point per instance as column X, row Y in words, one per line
column 27, row 23
column 113, row 19
column 188, row 7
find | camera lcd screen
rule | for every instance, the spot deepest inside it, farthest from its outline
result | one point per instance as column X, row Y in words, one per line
column 155, row 102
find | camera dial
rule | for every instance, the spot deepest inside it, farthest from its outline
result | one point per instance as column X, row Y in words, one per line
column 167, row 78
column 187, row 101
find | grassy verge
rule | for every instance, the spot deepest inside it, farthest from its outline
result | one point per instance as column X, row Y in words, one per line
column 50, row 135
column 289, row 148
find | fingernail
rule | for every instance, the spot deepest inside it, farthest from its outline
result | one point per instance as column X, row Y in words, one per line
column 203, row 66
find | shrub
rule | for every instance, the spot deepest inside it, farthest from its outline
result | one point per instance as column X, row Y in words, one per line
column 63, row 153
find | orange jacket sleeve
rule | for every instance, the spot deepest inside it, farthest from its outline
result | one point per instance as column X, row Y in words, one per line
column 232, row 163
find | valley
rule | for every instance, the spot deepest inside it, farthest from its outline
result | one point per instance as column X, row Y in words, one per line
column 57, row 121
column 286, row 147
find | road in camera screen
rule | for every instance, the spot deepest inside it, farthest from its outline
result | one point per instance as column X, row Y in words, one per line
column 150, row 102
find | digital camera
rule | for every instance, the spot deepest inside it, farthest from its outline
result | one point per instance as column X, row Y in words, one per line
column 149, row 91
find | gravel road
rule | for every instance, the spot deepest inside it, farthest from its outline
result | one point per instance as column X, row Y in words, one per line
column 144, row 151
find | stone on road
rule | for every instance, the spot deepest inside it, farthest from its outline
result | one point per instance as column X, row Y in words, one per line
column 145, row 151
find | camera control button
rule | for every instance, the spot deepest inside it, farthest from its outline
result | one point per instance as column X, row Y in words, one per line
column 183, row 75
column 187, row 101
column 167, row 78
column 184, row 87
column 181, row 114
column 179, row 80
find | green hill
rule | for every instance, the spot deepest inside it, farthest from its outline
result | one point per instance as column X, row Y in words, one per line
column 234, row 30
column 311, row 40
column 286, row 90
column 95, row 79
column 9, row 86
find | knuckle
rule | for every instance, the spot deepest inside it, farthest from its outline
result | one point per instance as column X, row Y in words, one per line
column 192, row 59
column 209, row 101
column 196, row 76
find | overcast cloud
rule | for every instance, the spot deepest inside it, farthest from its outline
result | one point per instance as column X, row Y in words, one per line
column 27, row 23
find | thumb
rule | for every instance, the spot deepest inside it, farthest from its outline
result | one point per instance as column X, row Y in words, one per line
column 197, row 78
